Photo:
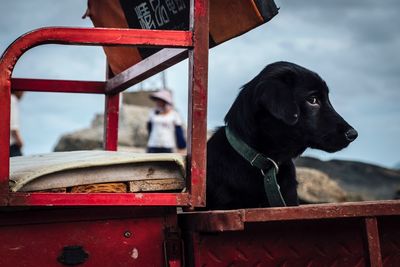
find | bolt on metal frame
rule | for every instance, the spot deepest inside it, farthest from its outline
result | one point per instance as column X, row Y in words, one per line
column 177, row 45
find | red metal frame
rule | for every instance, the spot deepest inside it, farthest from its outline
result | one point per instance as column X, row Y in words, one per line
column 57, row 86
column 198, row 79
column 144, row 69
column 348, row 234
column 111, row 236
column 234, row 220
column 312, row 235
column 177, row 43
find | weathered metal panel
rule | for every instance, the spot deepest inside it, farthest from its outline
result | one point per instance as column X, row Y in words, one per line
column 389, row 231
column 230, row 220
column 109, row 238
column 292, row 243
column 348, row 234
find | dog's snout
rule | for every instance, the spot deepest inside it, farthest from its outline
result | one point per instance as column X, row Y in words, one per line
column 351, row 135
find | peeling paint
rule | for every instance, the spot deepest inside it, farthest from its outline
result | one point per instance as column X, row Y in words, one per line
column 139, row 196
column 135, row 254
column 17, row 248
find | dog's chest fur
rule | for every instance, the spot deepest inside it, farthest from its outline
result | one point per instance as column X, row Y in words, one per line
column 234, row 183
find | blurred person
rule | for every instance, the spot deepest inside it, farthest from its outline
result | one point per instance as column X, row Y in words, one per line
column 164, row 126
column 16, row 142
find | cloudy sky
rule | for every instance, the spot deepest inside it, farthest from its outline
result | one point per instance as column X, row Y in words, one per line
column 353, row 44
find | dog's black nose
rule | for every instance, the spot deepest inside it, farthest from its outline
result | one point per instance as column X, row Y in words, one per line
column 351, row 135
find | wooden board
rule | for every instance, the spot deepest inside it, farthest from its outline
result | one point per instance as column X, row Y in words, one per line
column 97, row 171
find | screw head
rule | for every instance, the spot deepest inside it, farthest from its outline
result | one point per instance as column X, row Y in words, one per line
column 127, row 234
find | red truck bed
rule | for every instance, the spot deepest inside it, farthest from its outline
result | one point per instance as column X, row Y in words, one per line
column 129, row 229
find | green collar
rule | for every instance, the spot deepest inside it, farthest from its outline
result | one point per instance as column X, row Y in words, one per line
column 267, row 166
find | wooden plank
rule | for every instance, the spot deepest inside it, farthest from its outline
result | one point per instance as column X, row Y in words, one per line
column 64, row 169
column 101, row 188
column 75, row 176
column 156, row 185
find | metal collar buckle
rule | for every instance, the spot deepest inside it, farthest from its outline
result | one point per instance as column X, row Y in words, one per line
column 269, row 159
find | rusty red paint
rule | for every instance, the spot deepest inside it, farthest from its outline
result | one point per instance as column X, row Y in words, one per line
column 111, row 117
column 360, row 234
column 57, row 86
column 201, row 8
column 90, row 213
column 103, row 36
column 373, row 242
column 290, row 243
column 5, row 95
column 214, row 221
column 108, row 240
column 356, row 209
column 197, row 113
column 208, row 220
column 98, row 199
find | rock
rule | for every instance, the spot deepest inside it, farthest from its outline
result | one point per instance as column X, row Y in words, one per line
column 87, row 139
column 397, row 166
column 316, row 187
column 132, row 132
column 369, row 181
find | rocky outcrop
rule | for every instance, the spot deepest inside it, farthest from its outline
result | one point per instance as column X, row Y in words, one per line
column 316, row 187
column 397, row 166
column 369, row 181
column 132, row 132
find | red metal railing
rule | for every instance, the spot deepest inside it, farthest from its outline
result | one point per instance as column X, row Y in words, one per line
column 179, row 45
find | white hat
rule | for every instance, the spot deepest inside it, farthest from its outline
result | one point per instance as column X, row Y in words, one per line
column 164, row 95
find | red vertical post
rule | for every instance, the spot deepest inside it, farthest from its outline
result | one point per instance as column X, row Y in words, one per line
column 373, row 242
column 111, row 116
column 197, row 114
column 5, row 99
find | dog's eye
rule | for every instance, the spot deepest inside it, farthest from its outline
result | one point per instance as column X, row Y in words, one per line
column 313, row 100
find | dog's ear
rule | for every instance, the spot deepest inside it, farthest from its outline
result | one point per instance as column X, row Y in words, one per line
column 278, row 97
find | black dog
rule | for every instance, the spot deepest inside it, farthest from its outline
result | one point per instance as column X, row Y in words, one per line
column 279, row 113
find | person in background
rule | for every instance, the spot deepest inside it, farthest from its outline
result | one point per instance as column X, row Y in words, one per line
column 16, row 142
column 164, row 125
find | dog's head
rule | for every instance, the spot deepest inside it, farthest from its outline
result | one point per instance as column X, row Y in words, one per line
column 295, row 102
